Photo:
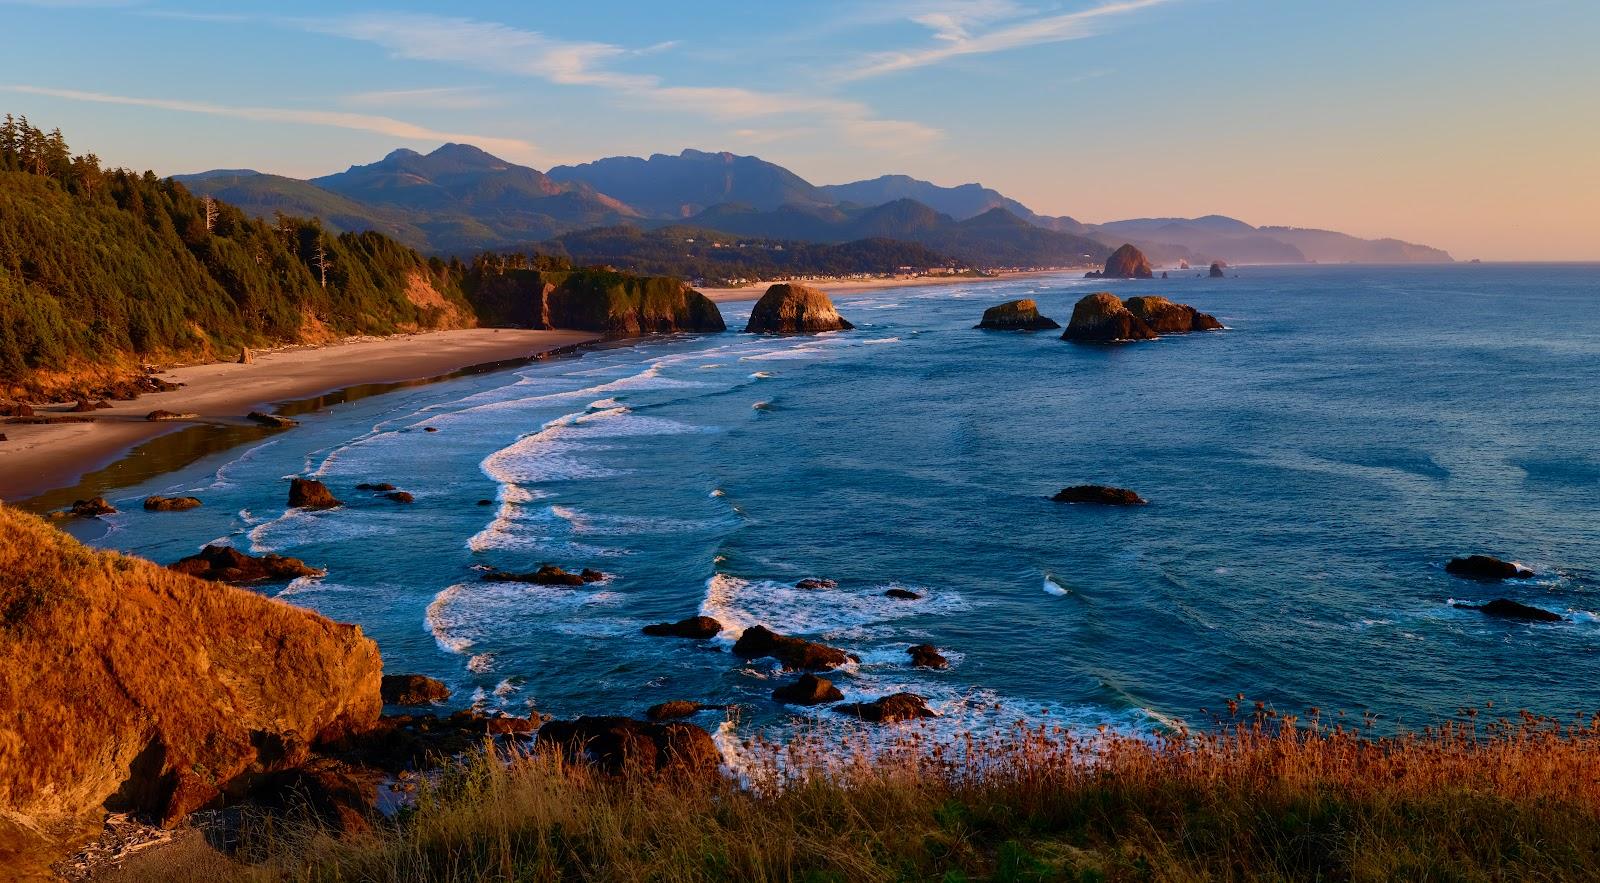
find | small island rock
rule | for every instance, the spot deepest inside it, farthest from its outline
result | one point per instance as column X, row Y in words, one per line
column 927, row 656
column 808, row 690
column 92, row 508
column 1218, row 269
column 794, row 653
column 306, row 493
column 1165, row 317
column 1101, row 317
column 1484, row 567
column 788, row 308
column 1016, row 315
column 546, row 575
column 1126, row 262
column 170, row 504
column 698, row 628
column 902, row 594
column 1100, row 494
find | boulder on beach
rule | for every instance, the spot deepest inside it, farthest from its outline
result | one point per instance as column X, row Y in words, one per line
column 412, row 690
column 1126, row 262
column 889, row 709
column 677, row 708
column 1165, row 317
column 170, row 504
column 1102, row 318
column 91, row 508
column 789, row 308
column 273, row 420
column 16, row 409
column 1504, row 608
column 1218, row 269
column 808, row 689
column 1016, row 315
column 621, row 746
column 131, row 688
column 794, row 653
column 927, row 656
column 696, row 627
column 226, row 564
column 546, row 575
column 306, row 493
column 1099, row 494
column 1485, row 567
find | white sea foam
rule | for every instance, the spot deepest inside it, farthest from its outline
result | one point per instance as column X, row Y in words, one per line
column 1051, row 587
column 761, row 375
column 740, row 603
column 471, row 619
column 882, row 340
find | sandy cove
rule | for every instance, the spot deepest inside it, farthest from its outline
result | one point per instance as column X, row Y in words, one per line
column 40, row 457
column 856, row 286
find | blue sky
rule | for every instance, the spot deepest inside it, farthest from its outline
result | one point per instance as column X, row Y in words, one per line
column 1468, row 124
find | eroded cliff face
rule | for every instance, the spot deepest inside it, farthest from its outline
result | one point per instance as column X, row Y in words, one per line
column 592, row 300
column 125, row 686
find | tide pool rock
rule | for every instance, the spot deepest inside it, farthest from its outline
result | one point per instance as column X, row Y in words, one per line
column 92, row 508
column 306, row 493
column 412, row 690
column 1102, row 318
column 808, row 690
column 794, row 653
column 546, row 575
column 1165, row 317
column 1099, row 494
column 889, row 709
column 1016, row 315
column 1487, row 568
column 678, row 708
column 624, row 747
column 788, row 308
column 170, row 504
column 697, row 628
column 927, row 656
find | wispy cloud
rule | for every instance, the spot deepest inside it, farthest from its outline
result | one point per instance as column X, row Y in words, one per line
column 979, row 27
column 360, row 122
column 500, row 48
column 446, row 97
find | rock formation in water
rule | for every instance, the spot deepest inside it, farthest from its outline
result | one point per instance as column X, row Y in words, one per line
column 622, row 746
column 170, row 504
column 1485, row 567
column 91, row 508
column 546, row 575
column 306, row 493
column 813, row 583
column 808, row 690
column 1099, row 494
column 902, row 594
column 697, row 627
column 673, row 709
column 1504, row 608
column 1218, row 270
column 1126, row 262
column 412, row 690
column 1165, row 317
column 794, row 653
column 927, row 656
column 889, row 709
column 591, row 300
column 1102, row 318
column 131, row 688
column 225, row 564
column 1016, row 315
column 788, row 308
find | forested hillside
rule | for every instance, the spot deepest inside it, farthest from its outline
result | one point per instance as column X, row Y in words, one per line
column 102, row 269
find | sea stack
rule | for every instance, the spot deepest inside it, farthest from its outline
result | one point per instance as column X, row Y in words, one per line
column 1218, row 269
column 1016, row 315
column 787, row 308
column 1127, row 262
column 1101, row 318
column 1165, row 317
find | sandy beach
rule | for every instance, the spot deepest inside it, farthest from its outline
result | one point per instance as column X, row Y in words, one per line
column 35, row 458
column 853, row 286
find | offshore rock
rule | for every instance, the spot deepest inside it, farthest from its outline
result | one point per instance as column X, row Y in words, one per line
column 1484, row 567
column 794, row 653
column 1102, row 318
column 546, row 575
column 171, row 504
column 889, row 709
column 306, row 493
column 1165, row 317
column 697, row 628
column 808, row 690
column 1126, row 262
column 91, row 508
column 1503, row 608
column 1218, row 269
column 1016, row 315
column 1099, row 494
column 927, row 656
column 788, row 308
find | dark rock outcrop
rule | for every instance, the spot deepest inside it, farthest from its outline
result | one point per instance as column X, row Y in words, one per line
column 1218, row 269
column 226, row 564
column 902, row 594
column 788, row 308
column 273, row 420
column 159, row 415
column 808, row 690
column 889, row 709
column 341, row 797
column 1504, row 608
column 1017, row 315
column 1099, row 494
column 412, row 690
column 171, row 504
column 813, row 583
column 794, row 653
column 382, row 486
column 306, row 493
column 1165, row 317
column 400, row 497
column 927, row 656
column 1126, row 262
column 1101, row 318
column 1484, row 567
column 92, row 508
column 16, row 409
column 591, row 300
column 546, row 575
column 696, row 627
column 678, row 708
column 621, row 746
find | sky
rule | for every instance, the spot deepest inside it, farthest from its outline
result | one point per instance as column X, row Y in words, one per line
column 1470, row 125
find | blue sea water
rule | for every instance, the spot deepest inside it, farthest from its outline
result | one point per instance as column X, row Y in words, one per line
column 1310, row 470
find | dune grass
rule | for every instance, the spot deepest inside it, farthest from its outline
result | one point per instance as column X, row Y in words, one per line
column 1267, row 797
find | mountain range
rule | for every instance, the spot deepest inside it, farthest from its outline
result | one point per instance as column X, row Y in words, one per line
column 460, row 200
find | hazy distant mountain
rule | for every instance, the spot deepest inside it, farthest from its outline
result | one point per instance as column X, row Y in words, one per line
column 1215, row 237
column 679, row 186
column 1327, row 246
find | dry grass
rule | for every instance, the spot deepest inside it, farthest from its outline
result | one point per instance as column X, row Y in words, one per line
column 1262, row 798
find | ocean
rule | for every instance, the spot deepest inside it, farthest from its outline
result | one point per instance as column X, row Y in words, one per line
column 1309, row 470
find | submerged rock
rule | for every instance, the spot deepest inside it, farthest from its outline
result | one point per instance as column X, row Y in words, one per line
column 382, row 486
column 226, row 564
column 1504, row 608
column 1102, row 318
column 808, row 690
column 621, row 746
column 306, row 493
column 696, row 627
column 1016, row 315
column 927, row 656
column 546, row 575
column 1484, row 567
column 794, row 653
column 788, row 308
column 1165, row 317
column 1099, row 494
column 171, row 504
column 889, row 709
column 92, row 508
column 412, row 690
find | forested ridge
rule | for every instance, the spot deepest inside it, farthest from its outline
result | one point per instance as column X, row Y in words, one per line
column 104, row 269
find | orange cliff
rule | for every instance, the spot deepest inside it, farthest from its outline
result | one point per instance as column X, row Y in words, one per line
column 125, row 686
